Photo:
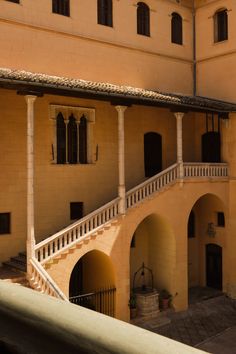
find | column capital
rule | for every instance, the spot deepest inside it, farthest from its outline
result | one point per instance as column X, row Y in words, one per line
column 121, row 109
column 179, row 115
column 30, row 98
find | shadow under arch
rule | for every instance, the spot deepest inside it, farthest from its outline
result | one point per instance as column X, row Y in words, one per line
column 206, row 225
column 92, row 282
column 153, row 243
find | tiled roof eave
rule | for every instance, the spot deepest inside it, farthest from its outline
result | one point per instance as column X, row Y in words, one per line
column 20, row 79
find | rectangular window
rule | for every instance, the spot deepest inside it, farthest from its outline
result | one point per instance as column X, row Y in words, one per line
column 61, row 7
column 76, row 210
column 5, row 223
column 220, row 219
column 15, row 1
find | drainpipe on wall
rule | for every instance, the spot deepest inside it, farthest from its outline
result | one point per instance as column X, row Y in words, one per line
column 194, row 50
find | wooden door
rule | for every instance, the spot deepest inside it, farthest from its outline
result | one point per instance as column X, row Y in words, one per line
column 214, row 266
column 211, row 147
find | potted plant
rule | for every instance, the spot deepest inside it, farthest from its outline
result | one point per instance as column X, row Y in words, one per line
column 164, row 299
column 133, row 306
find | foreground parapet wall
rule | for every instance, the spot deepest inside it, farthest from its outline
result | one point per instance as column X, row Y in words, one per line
column 34, row 323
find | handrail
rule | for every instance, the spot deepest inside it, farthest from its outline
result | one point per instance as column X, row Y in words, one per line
column 44, row 281
column 93, row 222
column 152, row 185
column 77, row 231
column 193, row 169
column 31, row 322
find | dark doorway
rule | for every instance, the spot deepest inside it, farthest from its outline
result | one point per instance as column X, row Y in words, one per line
column 76, row 279
column 152, row 153
column 214, row 266
column 211, row 147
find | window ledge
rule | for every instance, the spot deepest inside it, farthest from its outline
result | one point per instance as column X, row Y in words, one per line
column 73, row 164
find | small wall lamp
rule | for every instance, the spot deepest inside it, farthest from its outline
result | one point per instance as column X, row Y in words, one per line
column 211, row 231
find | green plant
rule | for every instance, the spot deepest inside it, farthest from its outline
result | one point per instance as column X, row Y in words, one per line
column 132, row 301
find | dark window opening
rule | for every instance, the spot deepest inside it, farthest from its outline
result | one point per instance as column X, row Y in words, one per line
column 61, row 139
column 76, row 210
column 220, row 219
column 191, row 225
column 152, row 153
column 176, row 29
column 5, row 223
column 143, row 19
column 104, row 12
column 61, row 7
column 221, row 26
column 15, row 1
column 83, row 140
column 72, row 140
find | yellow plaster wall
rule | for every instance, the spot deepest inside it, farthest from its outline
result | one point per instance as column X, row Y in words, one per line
column 77, row 46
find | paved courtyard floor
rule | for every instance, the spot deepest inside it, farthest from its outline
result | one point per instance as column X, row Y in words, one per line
column 208, row 324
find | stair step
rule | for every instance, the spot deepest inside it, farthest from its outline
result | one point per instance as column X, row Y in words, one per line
column 15, row 265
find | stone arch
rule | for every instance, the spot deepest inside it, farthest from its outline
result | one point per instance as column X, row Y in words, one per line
column 206, row 210
column 154, row 245
column 93, row 270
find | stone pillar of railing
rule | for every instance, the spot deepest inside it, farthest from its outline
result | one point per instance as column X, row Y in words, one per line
column 121, row 158
column 179, row 119
column 30, row 179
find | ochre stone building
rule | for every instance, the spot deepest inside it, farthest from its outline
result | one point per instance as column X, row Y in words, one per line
column 117, row 136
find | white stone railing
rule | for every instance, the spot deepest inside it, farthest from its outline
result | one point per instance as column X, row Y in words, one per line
column 193, row 169
column 40, row 280
column 93, row 222
column 76, row 232
column 152, row 185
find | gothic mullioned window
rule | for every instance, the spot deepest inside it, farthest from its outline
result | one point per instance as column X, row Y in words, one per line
column 221, row 26
column 104, row 12
column 73, row 134
column 61, row 7
column 176, row 29
column 143, row 19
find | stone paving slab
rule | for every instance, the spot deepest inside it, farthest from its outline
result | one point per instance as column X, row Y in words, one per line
column 223, row 343
column 200, row 322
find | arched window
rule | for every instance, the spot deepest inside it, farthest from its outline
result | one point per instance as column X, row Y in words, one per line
column 143, row 19
column 83, row 140
column 221, row 26
column 72, row 140
column 176, row 29
column 61, row 7
column 104, row 11
column 61, row 139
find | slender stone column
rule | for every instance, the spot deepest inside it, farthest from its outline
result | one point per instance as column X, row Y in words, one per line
column 30, row 179
column 121, row 158
column 179, row 118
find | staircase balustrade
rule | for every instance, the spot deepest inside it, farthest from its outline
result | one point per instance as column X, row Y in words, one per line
column 77, row 231
column 192, row 169
column 152, row 185
column 41, row 281
column 95, row 221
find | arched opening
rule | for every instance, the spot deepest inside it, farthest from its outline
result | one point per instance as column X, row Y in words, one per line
column 176, row 29
column 152, row 153
column 211, row 147
column 153, row 244
column 92, row 283
column 72, row 140
column 211, row 142
column 143, row 19
column 206, row 239
column 61, row 139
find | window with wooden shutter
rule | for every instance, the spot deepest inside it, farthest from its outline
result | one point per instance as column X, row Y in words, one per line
column 176, row 29
column 61, row 7
column 104, row 12
column 221, row 26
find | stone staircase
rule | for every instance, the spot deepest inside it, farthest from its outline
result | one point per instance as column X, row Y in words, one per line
column 17, row 263
column 14, row 270
column 93, row 225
